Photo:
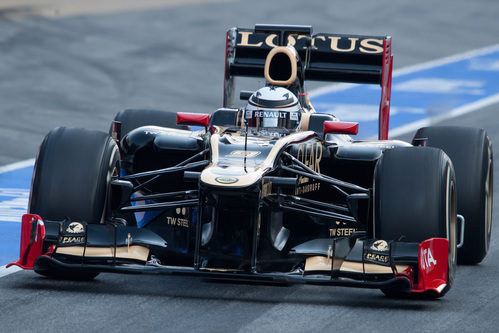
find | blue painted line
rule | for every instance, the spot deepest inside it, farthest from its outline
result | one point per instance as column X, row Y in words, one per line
column 420, row 95
column 14, row 196
column 10, row 239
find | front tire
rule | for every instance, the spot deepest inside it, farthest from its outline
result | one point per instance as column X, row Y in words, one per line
column 71, row 179
column 414, row 198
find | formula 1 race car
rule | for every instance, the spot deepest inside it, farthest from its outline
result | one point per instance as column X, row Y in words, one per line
column 273, row 191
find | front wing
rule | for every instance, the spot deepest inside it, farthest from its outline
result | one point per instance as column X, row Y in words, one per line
column 347, row 261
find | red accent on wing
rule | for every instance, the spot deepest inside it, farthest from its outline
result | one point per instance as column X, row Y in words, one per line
column 433, row 260
column 341, row 127
column 32, row 236
column 386, row 88
column 196, row 119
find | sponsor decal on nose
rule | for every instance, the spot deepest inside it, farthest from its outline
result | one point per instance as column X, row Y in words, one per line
column 226, row 180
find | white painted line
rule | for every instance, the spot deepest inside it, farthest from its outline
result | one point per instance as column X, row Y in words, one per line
column 4, row 271
column 420, row 67
column 331, row 88
column 12, row 210
column 482, row 103
column 412, row 68
column 446, row 60
column 17, row 165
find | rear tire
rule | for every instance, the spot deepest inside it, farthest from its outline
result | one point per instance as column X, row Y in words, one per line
column 71, row 179
column 471, row 153
column 414, row 198
column 131, row 119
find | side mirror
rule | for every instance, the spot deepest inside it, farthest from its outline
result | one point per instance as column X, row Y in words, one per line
column 340, row 127
column 195, row 119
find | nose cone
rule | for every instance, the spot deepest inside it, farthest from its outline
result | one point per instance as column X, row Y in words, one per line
column 230, row 177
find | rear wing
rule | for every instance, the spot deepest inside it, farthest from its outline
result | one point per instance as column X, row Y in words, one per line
column 325, row 57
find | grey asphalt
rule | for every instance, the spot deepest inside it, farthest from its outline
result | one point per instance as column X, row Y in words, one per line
column 81, row 70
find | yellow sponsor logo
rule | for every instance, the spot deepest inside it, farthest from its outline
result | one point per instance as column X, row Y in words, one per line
column 376, row 257
column 334, row 43
column 75, row 228
column 226, row 180
column 341, row 232
column 380, row 245
column 71, row 239
column 312, row 187
column 177, row 221
column 309, row 154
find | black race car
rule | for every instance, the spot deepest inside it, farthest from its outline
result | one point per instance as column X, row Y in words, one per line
column 273, row 191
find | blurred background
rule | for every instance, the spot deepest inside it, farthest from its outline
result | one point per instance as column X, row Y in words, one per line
column 77, row 63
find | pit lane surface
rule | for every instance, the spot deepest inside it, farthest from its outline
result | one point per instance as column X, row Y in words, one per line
column 80, row 70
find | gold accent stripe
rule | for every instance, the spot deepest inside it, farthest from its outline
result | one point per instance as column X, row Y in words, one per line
column 136, row 252
column 305, row 120
column 209, row 174
column 242, row 117
column 215, row 138
column 291, row 53
column 220, row 269
column 295, row 137
column 320, row 263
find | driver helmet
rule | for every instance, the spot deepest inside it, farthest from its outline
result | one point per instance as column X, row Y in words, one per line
column 273, row 107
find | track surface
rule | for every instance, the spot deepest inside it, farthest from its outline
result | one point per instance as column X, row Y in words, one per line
column 81, row 70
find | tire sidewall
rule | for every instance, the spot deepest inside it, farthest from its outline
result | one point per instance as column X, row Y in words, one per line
column 53, row 181
column 410, row 219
